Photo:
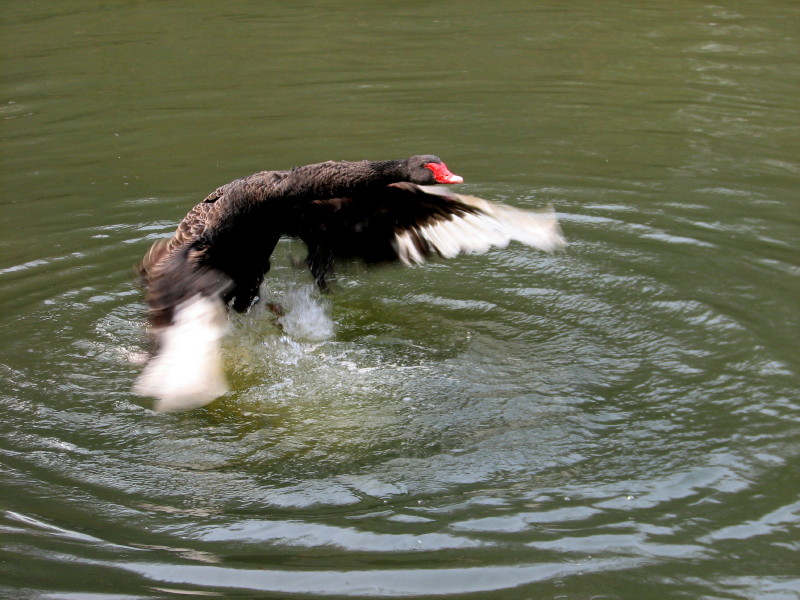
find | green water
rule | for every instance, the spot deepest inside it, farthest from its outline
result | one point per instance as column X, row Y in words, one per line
column 616, row 420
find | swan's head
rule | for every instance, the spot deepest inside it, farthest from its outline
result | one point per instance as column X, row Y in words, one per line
column 428, row 169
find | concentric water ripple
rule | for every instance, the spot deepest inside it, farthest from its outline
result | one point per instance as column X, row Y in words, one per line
column 616, row 420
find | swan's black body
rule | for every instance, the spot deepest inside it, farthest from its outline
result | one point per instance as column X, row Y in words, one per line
column 223, row 245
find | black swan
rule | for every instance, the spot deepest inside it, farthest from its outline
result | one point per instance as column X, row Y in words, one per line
column 374, row 211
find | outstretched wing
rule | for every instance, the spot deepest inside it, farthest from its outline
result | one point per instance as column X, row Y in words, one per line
column 172, row 270
column 410, row 223
column 466, row 224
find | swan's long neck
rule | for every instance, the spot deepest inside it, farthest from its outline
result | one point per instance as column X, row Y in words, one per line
column 331, row 179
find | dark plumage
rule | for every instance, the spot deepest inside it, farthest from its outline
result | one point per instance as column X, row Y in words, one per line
column 223, row 245
column 375, row 211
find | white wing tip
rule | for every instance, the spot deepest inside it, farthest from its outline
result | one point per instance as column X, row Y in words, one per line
column 187, row 371
column 492, row 224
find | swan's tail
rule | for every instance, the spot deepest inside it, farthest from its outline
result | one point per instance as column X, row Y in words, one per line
column 187, row 370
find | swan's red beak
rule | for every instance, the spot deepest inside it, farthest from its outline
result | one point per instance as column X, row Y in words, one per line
column 443, row 174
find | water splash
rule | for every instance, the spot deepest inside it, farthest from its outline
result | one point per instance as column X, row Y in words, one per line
column 306, row 316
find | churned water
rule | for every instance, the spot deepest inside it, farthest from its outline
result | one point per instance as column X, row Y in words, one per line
column 615, row 420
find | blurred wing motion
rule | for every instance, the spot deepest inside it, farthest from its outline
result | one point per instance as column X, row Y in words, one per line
column 187, row 370
column 411, row 223
column 187, row 317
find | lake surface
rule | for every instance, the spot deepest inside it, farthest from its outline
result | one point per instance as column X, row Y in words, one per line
column 617, row 420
